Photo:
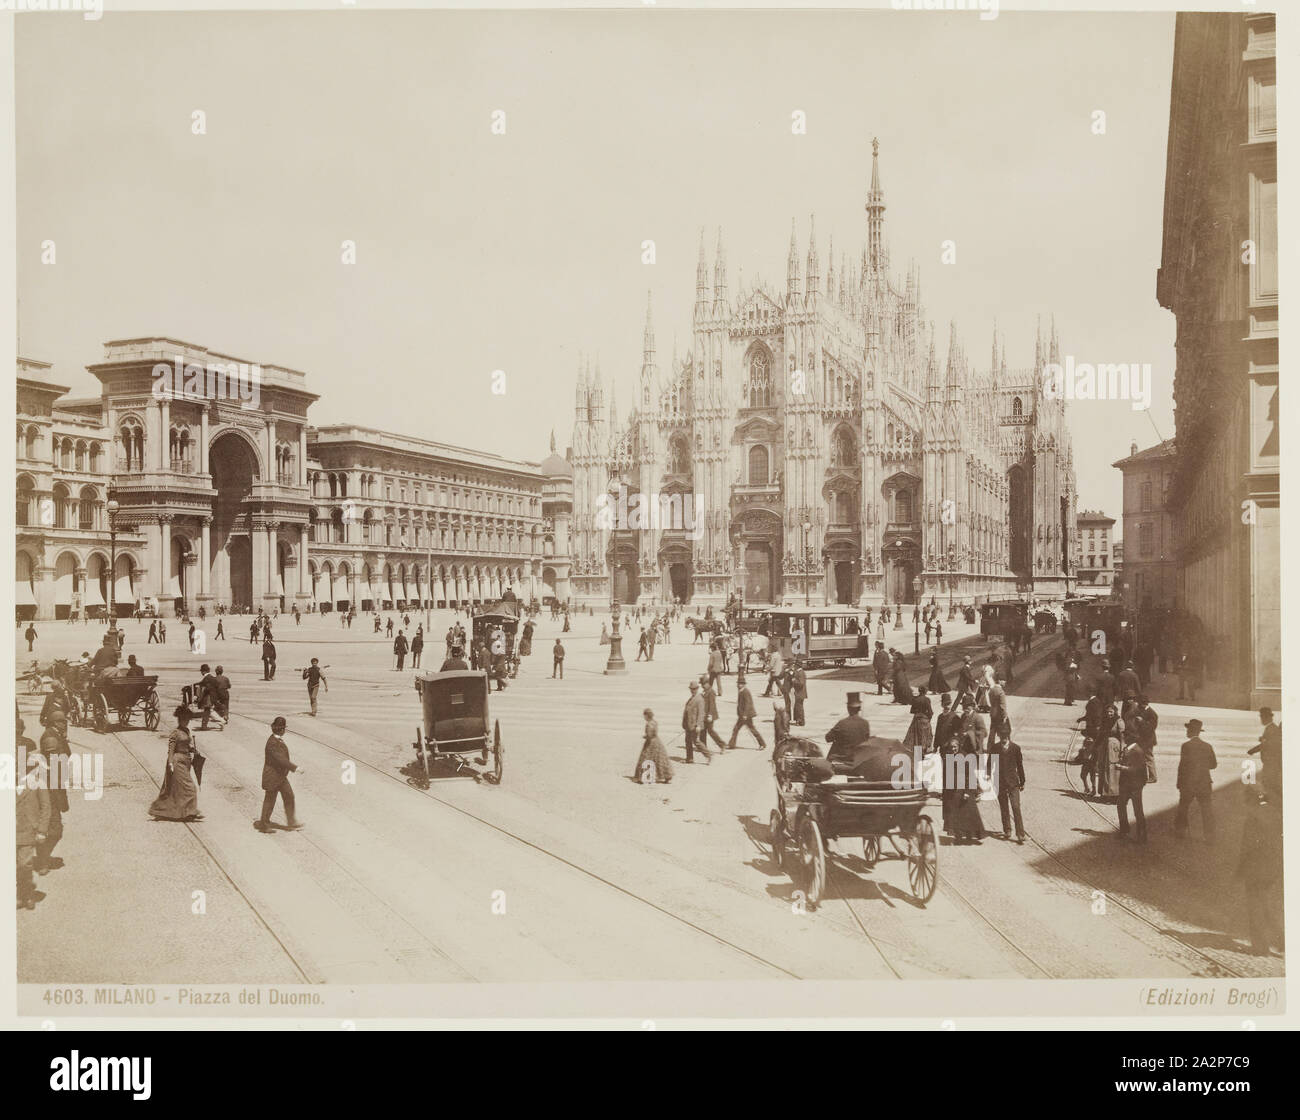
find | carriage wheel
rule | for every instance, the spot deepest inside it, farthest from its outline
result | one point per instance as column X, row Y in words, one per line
column 101, row 714
column 776, row 837
column 871, row 848
column 923, row 857
column 812, row 856
column 151, row 713
column 498, row 753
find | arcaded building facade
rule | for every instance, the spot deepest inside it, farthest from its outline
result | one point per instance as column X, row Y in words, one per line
column 839, row 450
column 232, row 499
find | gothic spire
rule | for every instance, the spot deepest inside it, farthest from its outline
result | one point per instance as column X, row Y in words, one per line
column 875, row 214
column 720, row 272
column 792, row 264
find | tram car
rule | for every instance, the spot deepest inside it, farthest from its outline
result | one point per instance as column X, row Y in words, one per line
column 1109, row 616
column 820, row 635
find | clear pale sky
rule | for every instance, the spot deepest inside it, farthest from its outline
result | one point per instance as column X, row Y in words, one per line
column 478, row 252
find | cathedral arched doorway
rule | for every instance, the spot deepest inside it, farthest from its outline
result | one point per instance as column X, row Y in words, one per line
column 679, row 581
column 627, row 584
column 230, row 557
column 844, row 589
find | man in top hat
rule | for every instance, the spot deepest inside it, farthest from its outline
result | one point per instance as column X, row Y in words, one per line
column 1195, row 762
column 799, row 687
column 849, row 733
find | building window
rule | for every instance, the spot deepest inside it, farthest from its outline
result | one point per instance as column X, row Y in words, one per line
column 903, row 507
column 1146, row 539
column 1017, row 407
column 760, row 380
column 1263, row 228
column 758, row 464
column 1146, row 496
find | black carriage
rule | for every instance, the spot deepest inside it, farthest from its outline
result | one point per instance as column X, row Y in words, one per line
column 456, row 726
column 1005, row 619
column 819, row 801
column 122, row 695
column 1044, row 621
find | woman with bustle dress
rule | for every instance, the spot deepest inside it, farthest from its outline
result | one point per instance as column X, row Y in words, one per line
column 937, row 684
column 902, row 690
column 178, row 800
column 652, row 752
column 918, row 731
column 604, row 634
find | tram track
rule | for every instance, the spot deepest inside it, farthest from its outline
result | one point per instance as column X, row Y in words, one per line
column 546, row 852
column 226, row 874
column 1111, row 898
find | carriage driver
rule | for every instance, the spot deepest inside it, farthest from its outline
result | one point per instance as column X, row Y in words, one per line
column 849, row 734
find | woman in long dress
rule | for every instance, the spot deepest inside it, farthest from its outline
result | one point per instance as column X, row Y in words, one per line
column 604, row 634
column 938, row 685
column 902, row 690
column 652, row 764
column 178, row 800
column 967, row 824
column 918, row 731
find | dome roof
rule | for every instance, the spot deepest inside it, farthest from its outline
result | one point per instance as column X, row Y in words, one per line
column 556, row 466
column 553, row 466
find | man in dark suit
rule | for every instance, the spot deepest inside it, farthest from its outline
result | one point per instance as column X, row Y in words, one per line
column 881, row 664
column 849, row 733
column 1127, row 684
column 275, row 777
column 799, row 687
column 710, row 714
column 1011, row 781
column 1195, row 762
column 1104, row 689
column 268, row 660
column 745, row 713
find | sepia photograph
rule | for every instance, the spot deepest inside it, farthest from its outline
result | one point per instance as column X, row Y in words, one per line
column 647, row 512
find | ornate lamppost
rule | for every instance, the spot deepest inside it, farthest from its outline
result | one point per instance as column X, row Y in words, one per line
column 615, row 664
column 917, row 584
column 112, row 507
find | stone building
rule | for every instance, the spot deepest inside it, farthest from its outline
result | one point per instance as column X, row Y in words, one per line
column 826, row 451
column 228, row 496
column 1095, row 552
column 1150, row 531
column 1219, row 276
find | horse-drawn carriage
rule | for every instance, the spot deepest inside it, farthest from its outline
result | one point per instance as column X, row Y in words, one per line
column 1005, row 619
column 95, row 694
column 1044, row 621
column 819, row 801
column 456, row 725
column 495, row 632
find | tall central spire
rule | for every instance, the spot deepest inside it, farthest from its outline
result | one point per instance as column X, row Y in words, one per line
column 875, row 214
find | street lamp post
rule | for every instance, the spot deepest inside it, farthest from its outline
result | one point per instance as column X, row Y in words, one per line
column 917, row 584
column 615, row 664
column 112, row 507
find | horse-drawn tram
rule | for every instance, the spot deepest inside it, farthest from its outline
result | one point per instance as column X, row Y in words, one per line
column 457, row 726
column 820, row 635
column 821, row 800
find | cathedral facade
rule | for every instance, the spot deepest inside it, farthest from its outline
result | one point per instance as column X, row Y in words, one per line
column 825, row 450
